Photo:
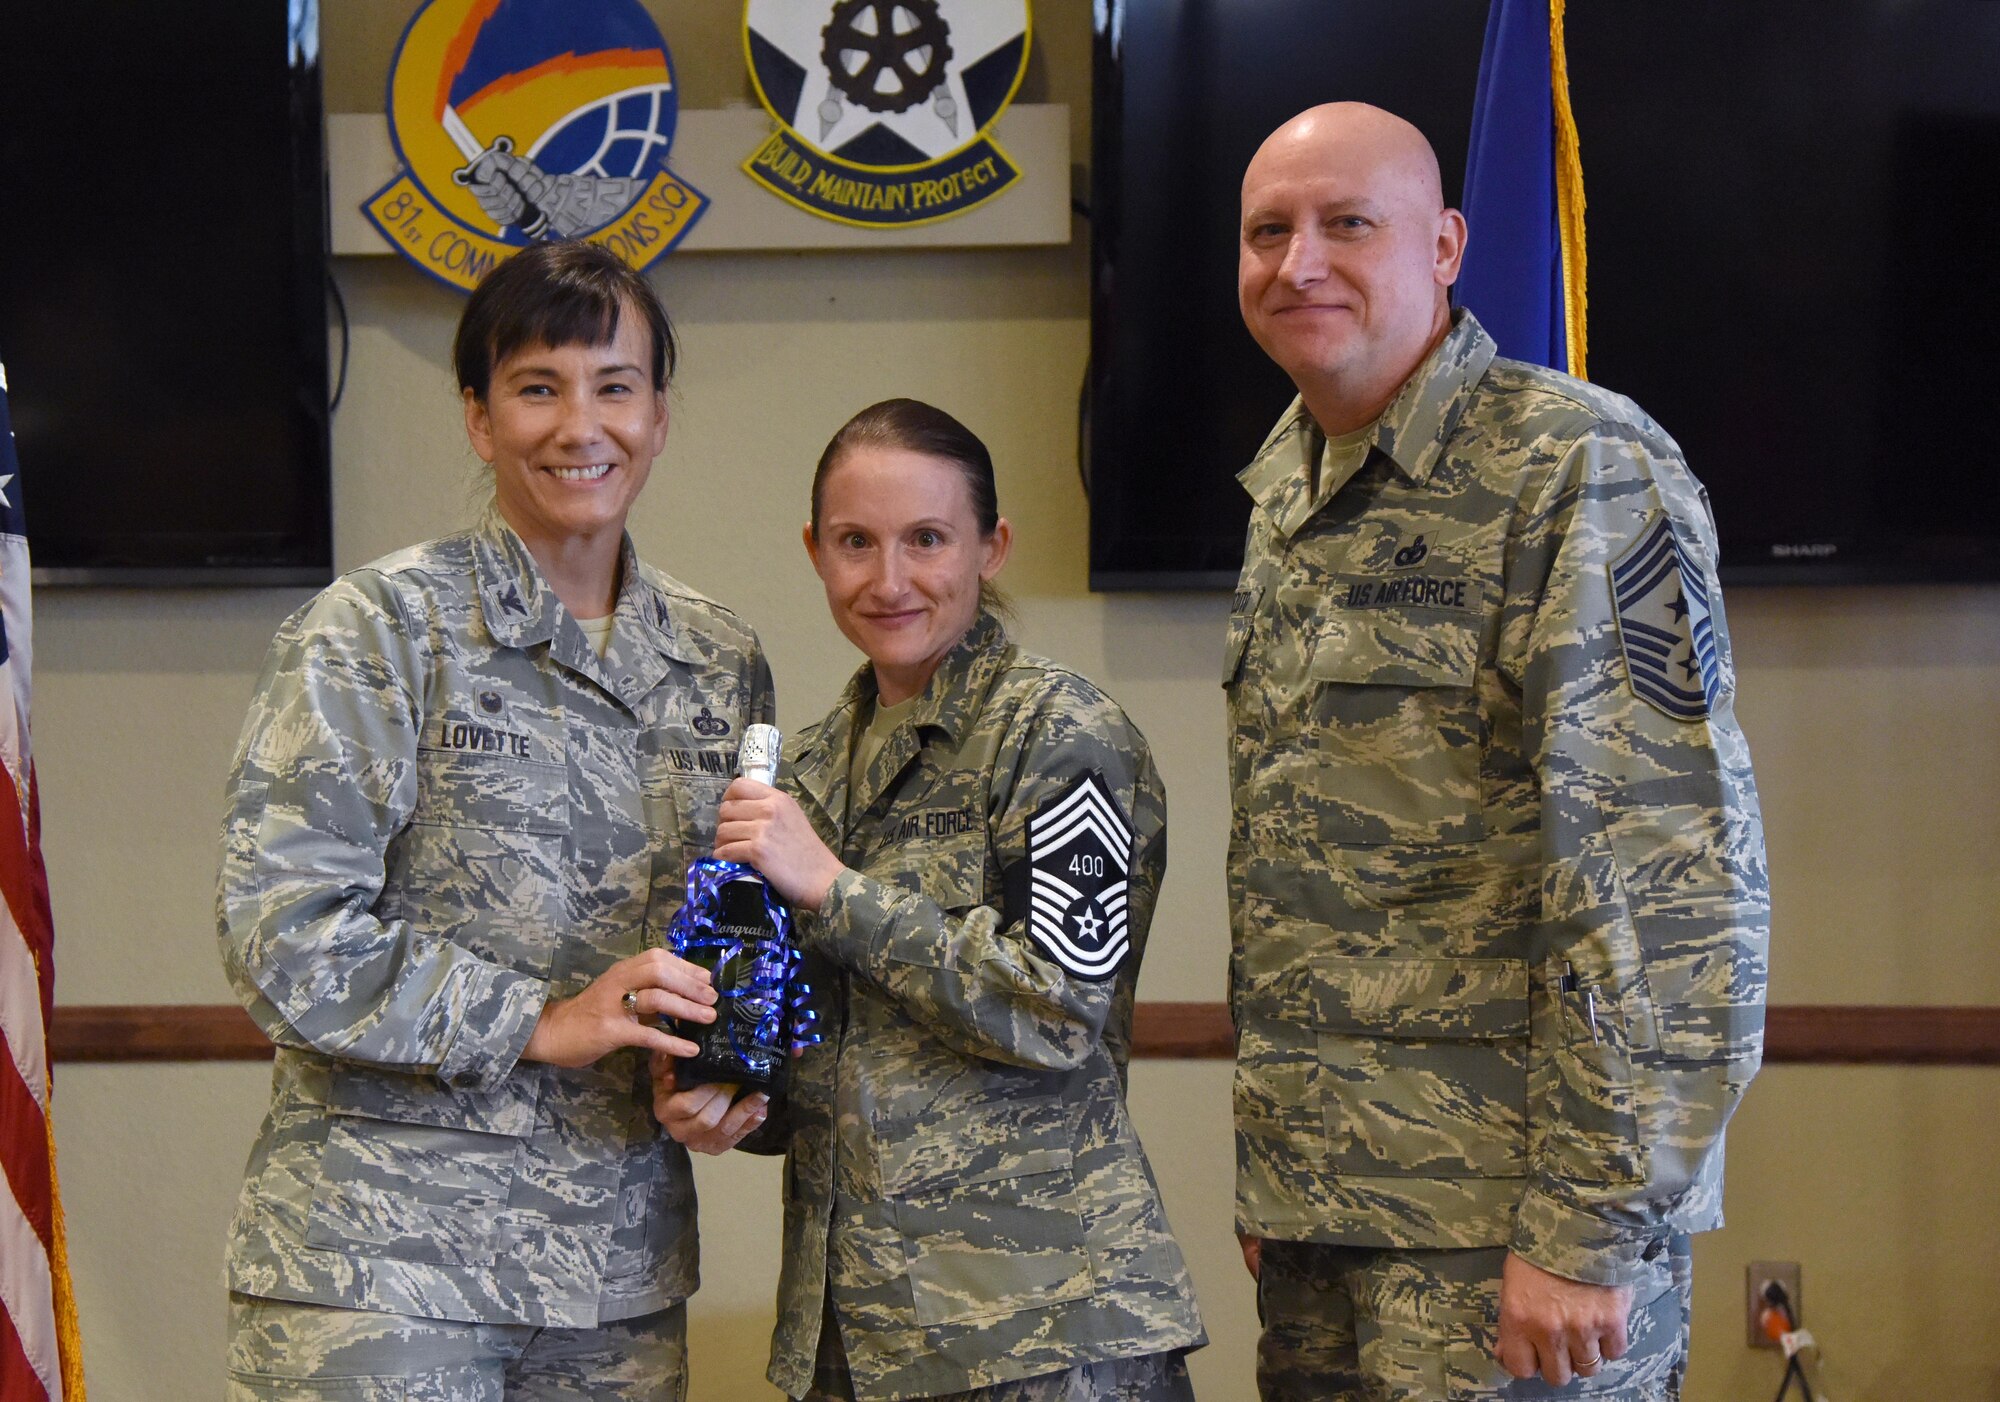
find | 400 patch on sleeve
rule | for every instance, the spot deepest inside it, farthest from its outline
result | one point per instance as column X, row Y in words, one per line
column 1079, row 859
column 885, row 107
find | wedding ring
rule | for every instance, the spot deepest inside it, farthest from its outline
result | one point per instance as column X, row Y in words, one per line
column 631, row 1002
column 1590, row 1363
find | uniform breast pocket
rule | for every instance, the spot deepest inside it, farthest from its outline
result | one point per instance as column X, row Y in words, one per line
column 481, row 857
column 491, row 793
column 932, row 840
column 697, row 801
column 985, row 1201
column 953, row 872
column 1400, row 737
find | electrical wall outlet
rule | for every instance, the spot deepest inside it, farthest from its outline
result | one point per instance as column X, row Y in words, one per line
column 1756, row 1276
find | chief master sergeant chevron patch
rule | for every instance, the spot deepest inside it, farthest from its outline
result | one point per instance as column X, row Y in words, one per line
column 1079, row 856
column 1664, row 627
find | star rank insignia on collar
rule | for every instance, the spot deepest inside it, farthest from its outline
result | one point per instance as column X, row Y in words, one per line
column 1664, row 626
column 1079, row 861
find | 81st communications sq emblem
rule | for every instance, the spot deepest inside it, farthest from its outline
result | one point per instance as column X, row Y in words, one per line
column 519, row 120
column 885, row 107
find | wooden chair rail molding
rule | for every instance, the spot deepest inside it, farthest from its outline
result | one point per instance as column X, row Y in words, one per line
column 1898, row 1035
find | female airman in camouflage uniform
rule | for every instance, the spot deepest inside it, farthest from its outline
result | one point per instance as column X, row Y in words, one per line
column 974, row 839
column 457, row 825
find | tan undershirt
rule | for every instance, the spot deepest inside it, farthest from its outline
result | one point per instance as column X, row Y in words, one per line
column 1339, row 459
column 597, row 632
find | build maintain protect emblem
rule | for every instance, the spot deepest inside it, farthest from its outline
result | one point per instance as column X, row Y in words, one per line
column 885, row 108
column 519, row 120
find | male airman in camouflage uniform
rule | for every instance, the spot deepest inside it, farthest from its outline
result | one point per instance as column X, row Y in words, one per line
column 1496, row 869
column 967, row 1206
column 447, row 811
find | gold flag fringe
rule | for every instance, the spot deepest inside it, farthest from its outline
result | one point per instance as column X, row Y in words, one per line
column 69, row 1338
column 1569, row 198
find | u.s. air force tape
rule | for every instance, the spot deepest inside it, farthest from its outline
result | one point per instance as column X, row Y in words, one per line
column 1072, row 885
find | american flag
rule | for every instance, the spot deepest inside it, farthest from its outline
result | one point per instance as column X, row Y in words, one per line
column 39, row 1353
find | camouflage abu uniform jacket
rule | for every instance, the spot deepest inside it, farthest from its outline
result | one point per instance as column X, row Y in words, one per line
column 1499, row 905
column 446, row 809
column 962, row 1173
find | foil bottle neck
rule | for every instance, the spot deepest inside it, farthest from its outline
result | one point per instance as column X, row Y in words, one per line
column 757, row 757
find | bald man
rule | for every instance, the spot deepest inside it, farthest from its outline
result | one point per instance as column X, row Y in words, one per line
column 1497, row 887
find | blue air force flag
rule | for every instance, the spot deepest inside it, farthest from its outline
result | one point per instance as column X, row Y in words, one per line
column 1664, row 626
column 1523, row 275
column 1079, row 859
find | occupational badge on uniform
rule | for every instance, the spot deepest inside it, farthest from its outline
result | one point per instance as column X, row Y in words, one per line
column 1079, row 859
column 1660, row 598
column 885, row 107
column 709, row 724
column 529, row 120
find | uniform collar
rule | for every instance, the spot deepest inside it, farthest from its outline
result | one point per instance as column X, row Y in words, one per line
column 949, row 704
column 958, row 688
column 1411, row 432
column 1425, row 412
column 522, row 611
column 1280, row 476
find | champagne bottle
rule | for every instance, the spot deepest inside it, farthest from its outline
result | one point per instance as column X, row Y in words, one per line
column 735, row 926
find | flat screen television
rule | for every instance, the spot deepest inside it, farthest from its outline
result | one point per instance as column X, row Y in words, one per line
column 1792, row 210
column 163, row 315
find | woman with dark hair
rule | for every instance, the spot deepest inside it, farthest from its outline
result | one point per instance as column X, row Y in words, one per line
column 973, row 841
column 461, row 810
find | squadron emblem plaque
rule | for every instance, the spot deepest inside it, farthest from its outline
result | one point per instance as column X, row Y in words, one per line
column 519, row 120
column 885, row 108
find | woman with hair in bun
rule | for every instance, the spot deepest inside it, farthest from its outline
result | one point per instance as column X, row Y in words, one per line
column 972, row 840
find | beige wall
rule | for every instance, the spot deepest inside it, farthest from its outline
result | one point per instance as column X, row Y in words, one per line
column 1870, row 711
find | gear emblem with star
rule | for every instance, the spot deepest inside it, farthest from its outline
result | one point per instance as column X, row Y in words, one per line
column 886, row 55
column 885, row 108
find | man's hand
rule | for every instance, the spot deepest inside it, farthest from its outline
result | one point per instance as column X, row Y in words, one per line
column 1558, row 1327
column 577, row 1031
column 703, row 1118
column 1253, row 1254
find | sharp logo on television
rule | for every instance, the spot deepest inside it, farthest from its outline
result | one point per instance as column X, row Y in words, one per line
column 885, row 108
column 520, row 120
